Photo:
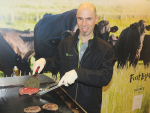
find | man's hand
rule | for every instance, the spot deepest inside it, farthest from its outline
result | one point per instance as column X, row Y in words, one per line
column 68, row 78
column 41, row 62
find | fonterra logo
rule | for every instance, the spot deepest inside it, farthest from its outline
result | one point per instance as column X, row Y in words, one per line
column 67, row 54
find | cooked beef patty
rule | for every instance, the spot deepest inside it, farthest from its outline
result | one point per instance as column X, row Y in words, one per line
column 28, row 90
column 32, row 109
column 50, row 106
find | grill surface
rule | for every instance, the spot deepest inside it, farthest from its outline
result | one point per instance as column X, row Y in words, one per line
column 12, row 102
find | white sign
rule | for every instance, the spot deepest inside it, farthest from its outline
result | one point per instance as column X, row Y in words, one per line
column 137, row 102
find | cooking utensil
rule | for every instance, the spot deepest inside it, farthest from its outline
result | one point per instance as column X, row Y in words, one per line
column 33, row 81
column 47, row 89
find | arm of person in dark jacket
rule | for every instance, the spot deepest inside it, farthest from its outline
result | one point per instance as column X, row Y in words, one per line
column 100, row 77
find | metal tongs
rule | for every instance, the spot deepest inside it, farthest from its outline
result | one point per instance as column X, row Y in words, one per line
column 49, row 88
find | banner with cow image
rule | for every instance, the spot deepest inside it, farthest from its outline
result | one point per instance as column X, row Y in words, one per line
column 128, row 91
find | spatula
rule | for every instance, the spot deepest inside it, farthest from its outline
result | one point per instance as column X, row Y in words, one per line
column 33, row 81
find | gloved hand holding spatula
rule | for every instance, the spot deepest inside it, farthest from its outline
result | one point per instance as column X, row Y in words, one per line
column 41, row 63
column 68, row 79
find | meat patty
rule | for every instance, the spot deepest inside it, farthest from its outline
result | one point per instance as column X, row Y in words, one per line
column 50, row 106
column 32, row 109
column 28, row 90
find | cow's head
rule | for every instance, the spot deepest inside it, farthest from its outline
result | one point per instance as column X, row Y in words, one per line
column 105, row 29
column 138, row 33
column 112, row 39
column 23, row 64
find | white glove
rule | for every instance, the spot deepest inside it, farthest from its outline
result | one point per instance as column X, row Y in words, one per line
column 69, row 78
column 40, row 62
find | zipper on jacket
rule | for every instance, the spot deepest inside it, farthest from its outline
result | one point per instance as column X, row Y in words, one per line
column 84, row 56
column 77, row 81
column 79, row 67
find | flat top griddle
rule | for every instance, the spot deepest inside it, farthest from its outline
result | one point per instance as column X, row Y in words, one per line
column 12, row 102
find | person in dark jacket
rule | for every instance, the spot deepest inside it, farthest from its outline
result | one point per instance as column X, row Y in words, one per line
column 83, row 60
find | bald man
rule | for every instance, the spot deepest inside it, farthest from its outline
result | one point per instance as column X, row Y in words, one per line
column 83, row 60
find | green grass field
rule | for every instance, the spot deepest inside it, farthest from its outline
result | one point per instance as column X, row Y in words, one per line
column 118, row 95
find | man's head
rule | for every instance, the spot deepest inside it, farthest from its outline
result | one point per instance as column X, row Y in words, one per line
column 86, row 19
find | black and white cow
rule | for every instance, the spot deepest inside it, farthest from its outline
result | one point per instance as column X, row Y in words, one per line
column 16, row 48
column 105, row 29
column 112, row 39
column 130, row 43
